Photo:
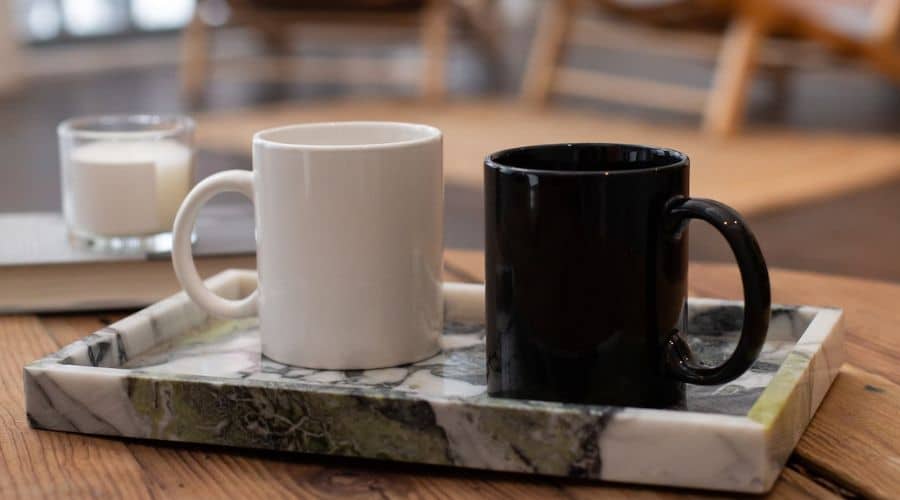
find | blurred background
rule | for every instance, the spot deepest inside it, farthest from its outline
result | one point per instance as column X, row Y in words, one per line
column 789, row 109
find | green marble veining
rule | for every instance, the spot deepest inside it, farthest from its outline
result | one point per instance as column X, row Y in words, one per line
column 260, row 417
column 779, row 390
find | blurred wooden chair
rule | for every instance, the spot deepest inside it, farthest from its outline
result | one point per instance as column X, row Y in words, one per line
column 274, row 20
column 860, row 30
column 10, row 59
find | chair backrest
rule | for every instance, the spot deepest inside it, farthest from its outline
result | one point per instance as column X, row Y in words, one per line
column 678, row 14
column 865, row 21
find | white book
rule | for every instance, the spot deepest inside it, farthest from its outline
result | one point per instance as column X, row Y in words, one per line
column 41, row 271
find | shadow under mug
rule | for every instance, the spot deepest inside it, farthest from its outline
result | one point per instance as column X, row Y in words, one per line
column 586, row 276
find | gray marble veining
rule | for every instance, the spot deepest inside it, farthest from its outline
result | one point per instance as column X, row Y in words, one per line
column 170, row 372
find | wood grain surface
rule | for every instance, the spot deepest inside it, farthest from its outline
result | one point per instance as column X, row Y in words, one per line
column 852, row 447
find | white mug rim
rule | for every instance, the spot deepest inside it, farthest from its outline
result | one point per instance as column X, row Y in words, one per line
column 428, row 134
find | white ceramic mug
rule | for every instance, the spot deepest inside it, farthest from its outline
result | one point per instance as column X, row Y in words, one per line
column 349, row 233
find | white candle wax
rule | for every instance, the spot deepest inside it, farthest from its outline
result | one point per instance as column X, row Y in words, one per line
column 127, row 188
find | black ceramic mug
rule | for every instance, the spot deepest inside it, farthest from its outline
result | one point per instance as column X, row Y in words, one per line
column 586, row 275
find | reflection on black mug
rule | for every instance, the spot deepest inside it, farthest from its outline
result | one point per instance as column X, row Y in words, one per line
column 586, row 275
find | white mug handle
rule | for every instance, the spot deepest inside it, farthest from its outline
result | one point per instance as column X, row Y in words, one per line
column 240, row 181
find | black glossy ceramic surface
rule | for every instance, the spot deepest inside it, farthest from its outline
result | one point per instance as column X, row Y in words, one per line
column 586, row 275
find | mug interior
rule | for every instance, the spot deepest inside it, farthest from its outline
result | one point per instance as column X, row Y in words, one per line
column 347, row 134
column 586, row 157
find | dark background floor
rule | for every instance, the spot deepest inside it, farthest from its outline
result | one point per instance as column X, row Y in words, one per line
column 856, row 234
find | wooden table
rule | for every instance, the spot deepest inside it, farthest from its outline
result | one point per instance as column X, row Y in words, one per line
column 852, row 446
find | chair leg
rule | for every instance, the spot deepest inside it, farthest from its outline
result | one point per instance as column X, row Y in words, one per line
column 435, row 47
column 195, row 64
column 736, row 63
column 10, row 59
column 546, row 49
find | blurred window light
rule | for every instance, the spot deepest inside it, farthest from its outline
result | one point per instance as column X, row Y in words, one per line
column 94, row 17
column 55, row 20
column 42, row 20
column 161, row 14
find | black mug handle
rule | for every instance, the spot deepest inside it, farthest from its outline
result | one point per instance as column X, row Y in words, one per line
column 679, row 358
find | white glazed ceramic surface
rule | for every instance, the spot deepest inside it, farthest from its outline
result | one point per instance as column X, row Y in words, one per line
column 350, row 239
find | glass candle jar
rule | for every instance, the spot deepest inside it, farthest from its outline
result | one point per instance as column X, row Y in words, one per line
column 124, row 177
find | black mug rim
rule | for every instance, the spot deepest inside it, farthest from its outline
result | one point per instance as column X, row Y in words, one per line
column 491, row 162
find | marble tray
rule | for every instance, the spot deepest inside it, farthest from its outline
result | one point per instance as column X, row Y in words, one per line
column 169, row 372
